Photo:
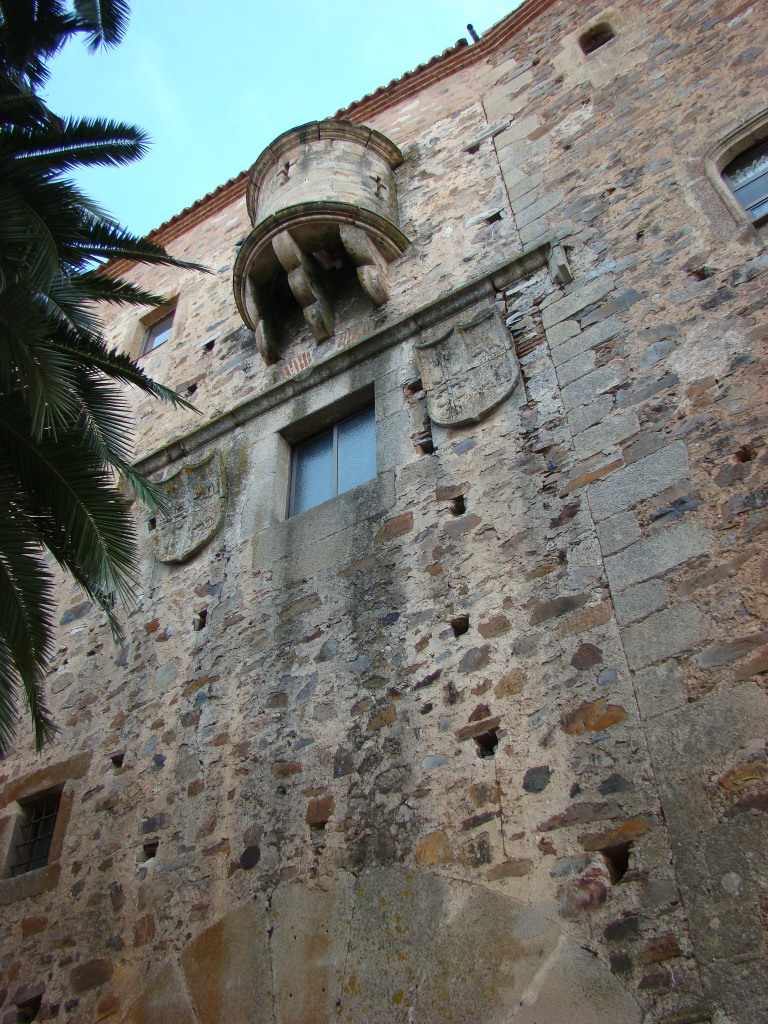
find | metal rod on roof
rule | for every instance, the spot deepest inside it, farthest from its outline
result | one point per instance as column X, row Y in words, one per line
column 473, row 35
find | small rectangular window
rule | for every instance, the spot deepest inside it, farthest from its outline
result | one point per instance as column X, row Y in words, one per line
column 333, row 462
column 34, row 833
column 747, row 178
column 157, row 333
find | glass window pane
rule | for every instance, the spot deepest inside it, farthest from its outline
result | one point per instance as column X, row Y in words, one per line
column 312, row 472
column 158, row 333
column 753, row 192
column 357, row 450
column 748, row 166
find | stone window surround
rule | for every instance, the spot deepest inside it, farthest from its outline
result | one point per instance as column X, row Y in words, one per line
column 137, row 333
column 149, row 343
column 602, row 65
column 725, row 215
column 56, row 776
column 320, row 421
column 742, row 138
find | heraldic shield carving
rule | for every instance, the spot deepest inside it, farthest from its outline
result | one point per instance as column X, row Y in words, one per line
column 468, row 371
column 197, row 498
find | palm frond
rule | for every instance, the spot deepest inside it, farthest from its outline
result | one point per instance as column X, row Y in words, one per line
column 104, row 21
column 77, row 142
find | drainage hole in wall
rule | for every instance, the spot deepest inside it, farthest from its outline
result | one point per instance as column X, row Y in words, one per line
column 487, row 743
column 152, row 524
column 413, row 387
column 118, row 758
column 149, row 851
column 200, row 619
column 458, row 505
column 209, row 345
column 460, row 625
column 617, row 860
column 745, row 454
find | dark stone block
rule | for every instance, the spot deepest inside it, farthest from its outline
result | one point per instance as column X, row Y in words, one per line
column 250, row 857
column 536, row 780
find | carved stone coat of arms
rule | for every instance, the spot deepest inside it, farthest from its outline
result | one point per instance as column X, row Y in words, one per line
column 468, row 371
column 197, row 498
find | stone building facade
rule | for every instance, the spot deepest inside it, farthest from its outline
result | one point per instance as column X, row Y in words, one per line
column 482, row 736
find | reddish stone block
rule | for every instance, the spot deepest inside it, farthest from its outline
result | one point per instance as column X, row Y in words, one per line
column 33, row 925
column 510, row 869
column 627, row 832
column 494, row 626
column 91, row 974
column 663, row 947
column 469, row 731
column 585, row 619
column 320, row 810
column 586, row 656
column 593, row 716
column 396, row 527
column 385, row 717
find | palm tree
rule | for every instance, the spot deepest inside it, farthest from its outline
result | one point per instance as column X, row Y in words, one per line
column 65, row 428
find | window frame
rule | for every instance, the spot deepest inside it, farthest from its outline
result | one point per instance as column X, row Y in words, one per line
column 60, row 777
column 152, row 326
column 705, row 175
column 50, row 803
column 333, row 428
column 734, row 189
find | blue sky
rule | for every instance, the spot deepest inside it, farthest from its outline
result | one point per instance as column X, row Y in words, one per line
column 214, row 85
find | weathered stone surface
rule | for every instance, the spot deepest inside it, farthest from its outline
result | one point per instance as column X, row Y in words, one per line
column 639, row 481
column 91, row 974
column 628, row 831
column 607, row 435
column 664, row 635
column 593, row 716
column 618, row 532
column 557, row 606
column 536, row 780
column 670, row 547
column 724, row 654
column 636, row 602
column 577, row 299
column 434, row 849
column 467, row 732
column 475, row 659
column 226, row 972
column 510, row 869
column 595, row 383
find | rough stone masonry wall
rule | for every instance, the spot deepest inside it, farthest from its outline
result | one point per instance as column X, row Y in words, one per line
column 331, row 846
column 660, row 357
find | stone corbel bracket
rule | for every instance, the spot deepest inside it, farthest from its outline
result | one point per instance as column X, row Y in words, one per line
column 322, row 187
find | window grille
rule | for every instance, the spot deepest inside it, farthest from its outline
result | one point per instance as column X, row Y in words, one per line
column 35, row 830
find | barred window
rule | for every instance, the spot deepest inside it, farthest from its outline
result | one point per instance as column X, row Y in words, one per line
column 34, row 833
